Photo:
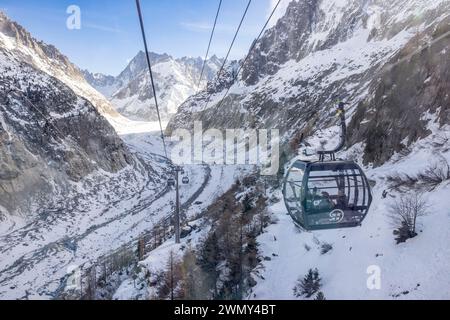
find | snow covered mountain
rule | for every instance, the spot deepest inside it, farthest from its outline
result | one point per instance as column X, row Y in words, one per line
column 176, row 80
column 318, row 51
column 50, row 137
column 387, row 59
column 19, row 42
column 106, row 85
column 65, row 174
column 52, row 127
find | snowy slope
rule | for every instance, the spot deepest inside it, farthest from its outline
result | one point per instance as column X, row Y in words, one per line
column 314, row 54
column 50, row 138
column 107, row 211
column 221, row 180
column 417, row 269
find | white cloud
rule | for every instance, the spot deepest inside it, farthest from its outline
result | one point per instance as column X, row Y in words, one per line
column 196, row 26
column 207, row 27
column 101, row 27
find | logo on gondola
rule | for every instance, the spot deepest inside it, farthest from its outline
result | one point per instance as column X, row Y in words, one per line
column 336, row 216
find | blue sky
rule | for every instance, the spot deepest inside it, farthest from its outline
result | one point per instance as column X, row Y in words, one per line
column 110, row 34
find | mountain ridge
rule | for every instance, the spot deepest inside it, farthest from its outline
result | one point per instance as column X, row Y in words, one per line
column 54, row 128
column 176, row 79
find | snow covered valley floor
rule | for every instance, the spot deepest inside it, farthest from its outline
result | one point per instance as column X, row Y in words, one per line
column 37, row 255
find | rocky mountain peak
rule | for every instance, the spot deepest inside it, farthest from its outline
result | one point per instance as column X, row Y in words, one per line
column 216, row 59
column 50, row 136
column 307, row 26
column 139, row 63
column 23, row 38
column 176, row 79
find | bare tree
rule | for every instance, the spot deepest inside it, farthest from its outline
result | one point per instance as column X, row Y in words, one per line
column 436, row 174
column 171, row 264
column 429, row 179
column 169, row 283
column 404, row 213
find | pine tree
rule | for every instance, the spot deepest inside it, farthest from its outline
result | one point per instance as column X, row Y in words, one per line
column 320, row 296
column 210, row 253
column 309, row 285
column 247, row 204
column 210, row 258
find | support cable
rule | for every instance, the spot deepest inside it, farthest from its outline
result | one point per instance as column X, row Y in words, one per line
column 217, row 77
column 209, row 45
column 141, row 21
column 250, row 51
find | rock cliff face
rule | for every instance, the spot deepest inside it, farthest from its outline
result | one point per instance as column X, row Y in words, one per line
column 360, row 51
column 51, row 136
column 20, row 43
column 411, row 91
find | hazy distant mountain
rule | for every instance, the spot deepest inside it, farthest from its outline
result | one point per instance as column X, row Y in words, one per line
column 176, row 80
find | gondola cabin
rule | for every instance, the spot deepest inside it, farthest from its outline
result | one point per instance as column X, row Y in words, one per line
column 171, row 182
column 326, row 195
